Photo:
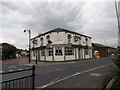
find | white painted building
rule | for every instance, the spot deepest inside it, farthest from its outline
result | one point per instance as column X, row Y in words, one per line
column 0, row 51
column 61, row 45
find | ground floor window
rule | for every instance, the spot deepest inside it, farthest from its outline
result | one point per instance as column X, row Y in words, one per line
column 69, row 51
column 49, row 51
column 58, row 51
column 42, row 52
column 86, row 51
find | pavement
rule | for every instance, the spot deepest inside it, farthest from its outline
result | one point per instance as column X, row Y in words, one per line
column 24, row 61
column 21, row 60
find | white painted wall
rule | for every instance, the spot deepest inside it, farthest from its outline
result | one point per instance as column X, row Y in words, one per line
column 49, row 58
column 61, row 38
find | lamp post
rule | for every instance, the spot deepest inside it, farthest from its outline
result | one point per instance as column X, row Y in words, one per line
column 29, row 42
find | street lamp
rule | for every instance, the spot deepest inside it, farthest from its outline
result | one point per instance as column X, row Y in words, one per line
column 29, row 42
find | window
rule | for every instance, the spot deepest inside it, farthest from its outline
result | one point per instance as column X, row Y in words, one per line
column 86, row 41
column 69, row 38
column 69, row 51
column 41, row 39
column 86, row 51
column 42, row 52
column 76, row 38
column 48, row 39
column 49, row 51
column 34, row 41
column 58, row 51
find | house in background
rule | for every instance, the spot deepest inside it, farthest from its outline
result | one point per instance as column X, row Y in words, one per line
column 21, row 52
column 61, row 45
column 102, row 50
column 18, row 53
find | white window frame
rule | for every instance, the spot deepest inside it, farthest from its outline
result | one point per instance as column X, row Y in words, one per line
column 58, row 51
column 69, row 51
column 69, row 38
column 49, row 51
column 77, row 38
column 41, row 39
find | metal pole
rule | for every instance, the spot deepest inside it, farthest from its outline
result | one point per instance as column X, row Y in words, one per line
column 29, row 45
column 118, row 23
column 36, row 56
column 33, row 77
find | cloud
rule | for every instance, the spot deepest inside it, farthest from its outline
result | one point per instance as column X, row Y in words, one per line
column 96, row 19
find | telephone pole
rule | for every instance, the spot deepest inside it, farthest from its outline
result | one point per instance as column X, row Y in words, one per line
column 118, row 21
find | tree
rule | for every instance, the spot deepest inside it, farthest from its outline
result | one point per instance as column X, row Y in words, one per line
column 8, row 51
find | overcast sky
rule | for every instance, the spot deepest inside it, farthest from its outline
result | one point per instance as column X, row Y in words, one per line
column 95, row 19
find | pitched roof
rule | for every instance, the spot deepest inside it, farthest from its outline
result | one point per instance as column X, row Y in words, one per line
column 60, row 30
column 101, row 45
column 97, row 44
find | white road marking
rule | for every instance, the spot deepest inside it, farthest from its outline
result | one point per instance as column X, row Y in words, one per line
column 78, row 73
column 20, row 69
column 11, row 66
column 26, row 68
column 55, row 79
column 1, row 71
column 11, row 70
column 95, row 74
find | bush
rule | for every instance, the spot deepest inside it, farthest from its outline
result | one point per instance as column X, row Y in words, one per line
column 116, row 60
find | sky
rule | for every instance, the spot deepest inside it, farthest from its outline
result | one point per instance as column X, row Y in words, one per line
column 91, row 18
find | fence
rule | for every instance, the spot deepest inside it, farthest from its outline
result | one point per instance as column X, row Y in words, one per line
column 24, row 82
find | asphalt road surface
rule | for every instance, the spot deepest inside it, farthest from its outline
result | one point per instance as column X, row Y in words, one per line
column 56, row 75
column 90, row 79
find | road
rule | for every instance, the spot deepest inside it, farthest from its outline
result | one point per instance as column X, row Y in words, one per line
column 55, row 73
column 88, row 79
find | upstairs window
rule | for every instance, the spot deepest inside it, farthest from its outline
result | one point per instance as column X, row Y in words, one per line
column 76, row 38
column 48, row 39
column 41, row 39
column 49, row 51
column 69, row 38
column 69, row 51
column 58, row 51
column 86, row 41
column 34, row 41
